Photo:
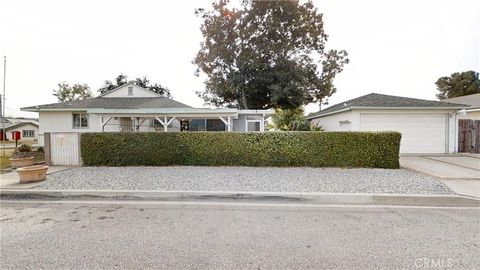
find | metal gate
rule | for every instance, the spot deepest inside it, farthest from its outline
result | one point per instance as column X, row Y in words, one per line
column 65, row 148
column 468, row 136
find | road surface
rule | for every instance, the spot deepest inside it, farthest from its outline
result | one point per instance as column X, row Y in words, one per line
column 94, row 235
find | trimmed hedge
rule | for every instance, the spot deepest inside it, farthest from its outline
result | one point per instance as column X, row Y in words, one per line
column 279, row 149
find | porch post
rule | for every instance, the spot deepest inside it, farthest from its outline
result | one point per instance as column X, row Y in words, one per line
column 104, row 123
column 262, row 124
column 228, row 123
column 165, row 125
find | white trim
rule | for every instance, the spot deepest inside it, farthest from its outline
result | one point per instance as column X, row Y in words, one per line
column 263, row 112
column 472, row 110
column 163, row 111
column 80, row 127
column 105, row 123
column 260, row 121
column 329, row 113
column 227, row 122
column 381, row 108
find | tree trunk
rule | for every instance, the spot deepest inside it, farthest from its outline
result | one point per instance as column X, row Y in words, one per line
column 244, row 100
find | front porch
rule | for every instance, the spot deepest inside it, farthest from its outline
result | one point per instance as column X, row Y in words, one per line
column 211, row 120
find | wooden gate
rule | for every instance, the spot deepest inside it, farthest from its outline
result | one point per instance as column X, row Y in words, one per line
column 468, row 136
column 63, row 148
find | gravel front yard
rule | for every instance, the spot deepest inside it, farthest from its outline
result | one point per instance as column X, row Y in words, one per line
column 246, row 179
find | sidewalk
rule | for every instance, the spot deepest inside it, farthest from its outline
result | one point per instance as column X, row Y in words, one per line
column 461, row 173
column 11, row 181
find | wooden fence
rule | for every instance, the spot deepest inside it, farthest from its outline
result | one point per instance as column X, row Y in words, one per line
column 468, row 136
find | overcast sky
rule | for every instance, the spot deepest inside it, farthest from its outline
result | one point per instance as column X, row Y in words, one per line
column 396, row 47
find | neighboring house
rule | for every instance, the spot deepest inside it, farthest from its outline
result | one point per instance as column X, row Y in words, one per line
column 131, row 108
column 473, row 109
column 426, row 126
column 28, row 127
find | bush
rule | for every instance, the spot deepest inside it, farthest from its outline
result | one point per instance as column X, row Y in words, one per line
column 39, row 148
column 313, row 149
column 292, row 120
column 24, row 148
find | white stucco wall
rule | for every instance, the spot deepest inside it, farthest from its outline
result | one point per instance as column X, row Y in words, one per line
column 63, row 122
column 332, row 122
column 137, row 92
column 470, row 115
column 239, row 124
column 21, row 129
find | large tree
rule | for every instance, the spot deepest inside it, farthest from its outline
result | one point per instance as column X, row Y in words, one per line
column 66, row 93
column 458, row 84
column 143, row 82
column 267, row 54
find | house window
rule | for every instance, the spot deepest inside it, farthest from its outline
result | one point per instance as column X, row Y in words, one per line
column 28, row 133
column 197, row 125
column 253, row 125
column 80, row 120
column 215, row 125
column 130, row 90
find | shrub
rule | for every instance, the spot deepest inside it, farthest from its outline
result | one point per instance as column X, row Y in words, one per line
column 40, row 149
column 313, row 149
column 24, row 148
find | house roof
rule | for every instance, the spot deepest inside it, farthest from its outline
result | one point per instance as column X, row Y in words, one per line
column 472, row 100
column 14, row 126
column 111, row 103
column 379, row 101
column 125, row 85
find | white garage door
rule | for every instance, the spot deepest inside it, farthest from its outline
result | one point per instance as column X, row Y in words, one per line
column 421, row 133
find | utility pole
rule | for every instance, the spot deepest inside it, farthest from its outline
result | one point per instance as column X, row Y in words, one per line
column 4, row 134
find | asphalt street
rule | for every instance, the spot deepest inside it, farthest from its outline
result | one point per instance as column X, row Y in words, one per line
column 83, row 235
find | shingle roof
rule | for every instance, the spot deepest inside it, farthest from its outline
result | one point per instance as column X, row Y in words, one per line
column 113, row 103
column 375, row 100
column 473, row 100
column 19, row 125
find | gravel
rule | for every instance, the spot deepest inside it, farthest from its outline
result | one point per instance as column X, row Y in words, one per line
column 246, row 179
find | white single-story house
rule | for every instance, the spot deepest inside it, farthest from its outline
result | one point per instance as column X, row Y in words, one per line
column 473, row 109
column 426, row 126
column 28, row 131
column 28, row 127
column 131, row 108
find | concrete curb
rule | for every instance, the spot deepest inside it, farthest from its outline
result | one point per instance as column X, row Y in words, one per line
column 270, row 197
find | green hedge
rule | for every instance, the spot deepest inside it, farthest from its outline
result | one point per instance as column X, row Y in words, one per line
column 280, row 149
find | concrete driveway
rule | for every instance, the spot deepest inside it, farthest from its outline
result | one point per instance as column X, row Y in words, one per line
column 459, row 172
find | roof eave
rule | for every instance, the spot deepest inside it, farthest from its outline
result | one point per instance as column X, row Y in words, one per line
column 161, row 111
column 386, row 108
column 328, row 113
column 408, row 108
column 29, row 109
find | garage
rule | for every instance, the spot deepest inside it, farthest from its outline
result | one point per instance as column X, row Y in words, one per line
column 427, row 126
column 421, row 133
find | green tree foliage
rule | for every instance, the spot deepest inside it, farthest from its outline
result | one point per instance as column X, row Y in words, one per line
column 66, row 93
column 458, row 84
column 267, row 54
column 142, row 82
column 292, row 120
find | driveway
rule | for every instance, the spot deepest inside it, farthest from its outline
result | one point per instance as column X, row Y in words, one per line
column 459, row 172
